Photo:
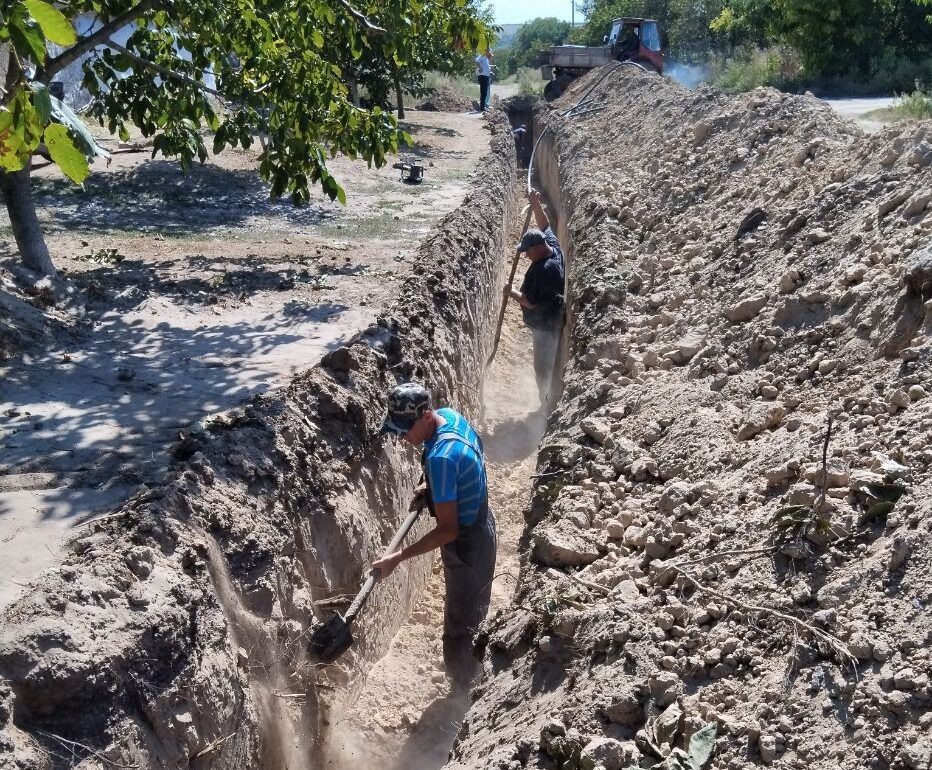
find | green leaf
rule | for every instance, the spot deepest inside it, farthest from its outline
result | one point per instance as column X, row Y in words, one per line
column 62, row 113
column 41, row 100
column 317, row 37
column 27, row 39
column 64, row 152
column 53, row 23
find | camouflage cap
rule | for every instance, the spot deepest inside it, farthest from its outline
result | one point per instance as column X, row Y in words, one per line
column 406, row 403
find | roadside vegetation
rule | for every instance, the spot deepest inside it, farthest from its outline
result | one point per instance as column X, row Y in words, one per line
column 914, row 106
column 858, row 48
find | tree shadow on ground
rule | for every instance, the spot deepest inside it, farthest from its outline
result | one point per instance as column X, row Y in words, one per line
column 158, row 196
column 102, row 413
column 203, row 280
column 431, row 740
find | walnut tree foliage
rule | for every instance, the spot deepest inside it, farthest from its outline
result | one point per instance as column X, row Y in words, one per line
column 223, row 72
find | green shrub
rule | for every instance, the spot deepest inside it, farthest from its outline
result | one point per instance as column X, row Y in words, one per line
column 529, row 81
column 751, row 68
column 917, row 105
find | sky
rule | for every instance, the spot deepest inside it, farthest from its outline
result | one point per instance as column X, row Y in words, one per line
column 518, row 11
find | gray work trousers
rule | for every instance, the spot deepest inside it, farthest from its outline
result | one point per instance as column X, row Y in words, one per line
column 546, row 342
column 468, row 569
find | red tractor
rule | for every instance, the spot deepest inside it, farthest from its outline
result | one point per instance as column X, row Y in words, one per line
column 635, row 40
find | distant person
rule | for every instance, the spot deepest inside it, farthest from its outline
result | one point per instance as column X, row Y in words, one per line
column 541, row 297
column 484, row 75
column 456, row 493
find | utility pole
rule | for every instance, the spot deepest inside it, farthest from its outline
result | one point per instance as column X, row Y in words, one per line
column 573, row 14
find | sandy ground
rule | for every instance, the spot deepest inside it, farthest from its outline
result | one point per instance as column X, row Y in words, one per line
column 857, row 109
column 406, row 718
column 196, row 292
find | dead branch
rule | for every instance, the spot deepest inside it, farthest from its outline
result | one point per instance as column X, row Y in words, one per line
column 212, row 747
column 75, row 744
column 824, row 481
column 833, row 641
column 738, row 552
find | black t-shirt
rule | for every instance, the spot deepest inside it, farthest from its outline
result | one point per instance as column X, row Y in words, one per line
column 543, row 287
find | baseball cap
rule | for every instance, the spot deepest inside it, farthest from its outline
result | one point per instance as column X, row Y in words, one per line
column 532, row 237
column 406, row 402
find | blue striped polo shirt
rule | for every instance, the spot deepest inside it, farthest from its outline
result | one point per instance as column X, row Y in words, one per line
column 455, row 471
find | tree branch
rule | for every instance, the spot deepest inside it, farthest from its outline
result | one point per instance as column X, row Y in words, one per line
column 371, row 28
column 169, row 73
column 69, row 56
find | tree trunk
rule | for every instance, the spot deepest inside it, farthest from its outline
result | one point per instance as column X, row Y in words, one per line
column 354, row 92
column 398, row 95
column 17, row 194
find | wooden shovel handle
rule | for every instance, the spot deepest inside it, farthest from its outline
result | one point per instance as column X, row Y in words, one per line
column 373, row 578
column 511, row 277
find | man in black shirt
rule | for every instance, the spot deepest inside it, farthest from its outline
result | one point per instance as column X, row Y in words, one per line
column 541, row 295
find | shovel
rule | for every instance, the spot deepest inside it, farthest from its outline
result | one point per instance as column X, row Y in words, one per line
column 504, row 309
column 331, row 639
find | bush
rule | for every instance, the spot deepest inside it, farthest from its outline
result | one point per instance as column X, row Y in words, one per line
column 529, row 81
column 462, row 85
column 754, row 67
column 915, row 106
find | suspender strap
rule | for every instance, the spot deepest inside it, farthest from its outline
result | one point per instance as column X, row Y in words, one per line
column 450, row 435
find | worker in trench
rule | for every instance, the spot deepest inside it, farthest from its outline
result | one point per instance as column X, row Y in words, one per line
column 541, row 297
column 456, row 493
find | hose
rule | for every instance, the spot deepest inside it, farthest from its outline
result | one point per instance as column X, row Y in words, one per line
column 568, row 112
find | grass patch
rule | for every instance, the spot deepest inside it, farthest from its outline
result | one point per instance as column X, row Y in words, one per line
column 465, row 87
column 528, row 80
column 914, row 106
column 383, row 225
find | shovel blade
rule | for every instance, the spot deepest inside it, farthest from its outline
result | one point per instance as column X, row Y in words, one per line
column 330, row 640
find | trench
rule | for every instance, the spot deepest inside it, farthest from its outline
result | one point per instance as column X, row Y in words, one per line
column 405, row 715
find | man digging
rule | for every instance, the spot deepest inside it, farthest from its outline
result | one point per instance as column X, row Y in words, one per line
column 541, row 296
column 456, row 494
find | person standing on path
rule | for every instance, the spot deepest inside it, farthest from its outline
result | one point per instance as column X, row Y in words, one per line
column 541, row 296
column 456, row 493
column 484, row 74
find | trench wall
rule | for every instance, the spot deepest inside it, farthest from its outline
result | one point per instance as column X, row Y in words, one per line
column 740, row 267
column 174, row 633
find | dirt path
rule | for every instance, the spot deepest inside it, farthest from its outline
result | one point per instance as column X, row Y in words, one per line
column 859, row 110
column 406, row 717
column 195, row 292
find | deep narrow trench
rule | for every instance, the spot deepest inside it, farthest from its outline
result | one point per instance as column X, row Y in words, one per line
column 406, row 716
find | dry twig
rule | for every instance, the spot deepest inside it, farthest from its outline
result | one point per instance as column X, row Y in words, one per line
column 76, row 744
column 824, row 481
column 800, row 625
column 212, row 747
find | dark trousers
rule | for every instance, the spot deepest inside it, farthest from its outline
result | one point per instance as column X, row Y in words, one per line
column 546, row 342
column 484, row 81
column 468, row 569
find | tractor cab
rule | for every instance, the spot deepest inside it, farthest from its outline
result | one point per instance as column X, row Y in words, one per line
column 636, row 40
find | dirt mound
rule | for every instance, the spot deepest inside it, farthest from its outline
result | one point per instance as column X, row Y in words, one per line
column 175, row 629
column 741, row 268
column 445, row 99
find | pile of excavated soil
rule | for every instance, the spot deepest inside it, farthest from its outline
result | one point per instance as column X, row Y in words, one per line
column 445, row 99
column 742, row 268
